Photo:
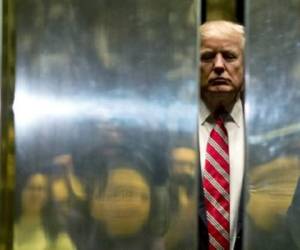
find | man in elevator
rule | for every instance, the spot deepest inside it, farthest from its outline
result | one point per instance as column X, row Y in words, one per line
column 221, row 134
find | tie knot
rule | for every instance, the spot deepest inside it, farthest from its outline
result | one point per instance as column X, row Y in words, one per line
column 220, row 118
column 220, row 122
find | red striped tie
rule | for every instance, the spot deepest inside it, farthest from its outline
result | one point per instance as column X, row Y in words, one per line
column 216, row 187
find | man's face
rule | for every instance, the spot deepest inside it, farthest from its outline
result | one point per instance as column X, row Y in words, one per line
column 222, row 69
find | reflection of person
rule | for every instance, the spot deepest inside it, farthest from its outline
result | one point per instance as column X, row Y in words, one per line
column 221, row 134
column 182, row 199
column 35, row 224
column 69, row 198
column 182, row 176
column 272, row 188
column 292, row 221
column 273, row 206
column 65, row 185
column 123, row 207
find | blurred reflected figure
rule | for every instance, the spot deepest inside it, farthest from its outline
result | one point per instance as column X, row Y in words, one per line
column 66, row 187
column 184, row 161
column 69, row 198
column 183, row 207
column 293, row 218
column 124, row 208
column 272, row 187
column 183, row 173
column 35, row 224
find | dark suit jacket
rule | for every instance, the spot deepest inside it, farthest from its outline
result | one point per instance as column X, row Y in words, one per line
column 202, row 228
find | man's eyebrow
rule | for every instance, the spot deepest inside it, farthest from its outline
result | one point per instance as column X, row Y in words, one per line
column 206, row 50
column 220, row 50
column 235, row 49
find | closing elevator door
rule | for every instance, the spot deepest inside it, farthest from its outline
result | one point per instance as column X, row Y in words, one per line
column 105, row 123
column 273, row 124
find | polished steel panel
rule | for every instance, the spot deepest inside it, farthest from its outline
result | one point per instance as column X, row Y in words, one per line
column 273, row 124
column 7, row 166
column 105, row 123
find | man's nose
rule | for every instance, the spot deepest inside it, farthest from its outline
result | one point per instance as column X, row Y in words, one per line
column 219, row 64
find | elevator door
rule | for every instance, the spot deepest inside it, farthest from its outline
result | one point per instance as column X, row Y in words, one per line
column 105, row 112
column 273, row 125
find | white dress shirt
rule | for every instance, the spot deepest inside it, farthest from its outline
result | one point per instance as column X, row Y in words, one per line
column 235, row 129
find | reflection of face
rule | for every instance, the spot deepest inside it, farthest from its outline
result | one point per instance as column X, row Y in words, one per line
column 184, row 161
column 60, row 190
column 34, row 195
column 125, row 204
column 222, row 70
column 272, row 186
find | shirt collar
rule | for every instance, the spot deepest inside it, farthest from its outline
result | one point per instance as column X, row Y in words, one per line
column 236, row 114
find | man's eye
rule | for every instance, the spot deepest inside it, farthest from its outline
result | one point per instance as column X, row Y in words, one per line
column 229, row 56
column 207, row 56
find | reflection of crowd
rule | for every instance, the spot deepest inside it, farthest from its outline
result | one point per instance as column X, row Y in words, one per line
column 36, row 226
column 117, row 204
column 101, row 196
column 272, row 204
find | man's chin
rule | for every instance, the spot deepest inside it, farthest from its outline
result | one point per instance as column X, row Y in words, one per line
column 216, row 99
column 222, row 88
column 224, row 95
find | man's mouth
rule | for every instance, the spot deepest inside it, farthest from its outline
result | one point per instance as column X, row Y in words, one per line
column 218, row 81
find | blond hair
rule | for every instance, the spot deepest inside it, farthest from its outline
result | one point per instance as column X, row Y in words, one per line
column 221, row 29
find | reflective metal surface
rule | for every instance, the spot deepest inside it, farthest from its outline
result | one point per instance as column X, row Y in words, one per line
column 273, row 124
column 7, row 166
column 105, row 123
